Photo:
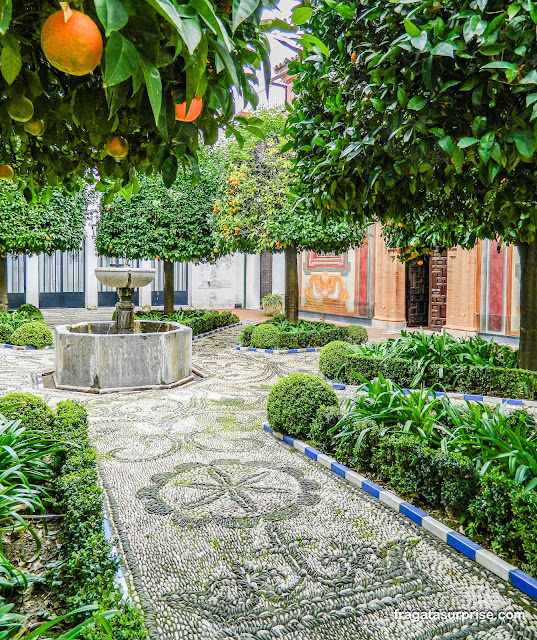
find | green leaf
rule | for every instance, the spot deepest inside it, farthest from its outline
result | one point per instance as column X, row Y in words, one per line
column 169, row 171
column 499, row 64
column 10, row 58
column 420, row 42
column 443, row 49
column 5, row 15
column 491, row 49
column 112, row 14
column 525, row 142
column 153, row 83
column 467, row 142
column 531, row 78
column 121, row 59
column 446, row 143
column 346, row 11
column 206, row 11
column 458, row 158
column 470, row 26
column 242, row 10
column 485, row 145
column 308, row 41
column 188, row 29
column 301, row 15
column 416, row 103
column 276, row 24
column 167, row 121
column 412, row 30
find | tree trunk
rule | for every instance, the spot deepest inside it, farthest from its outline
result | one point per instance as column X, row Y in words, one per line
column 527, row 355
column 291, row 285
column 4, row 302
column 169, row 287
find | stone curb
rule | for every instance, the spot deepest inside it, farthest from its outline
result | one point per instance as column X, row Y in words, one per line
column 338, row 386
column 120, row 582
column 486, row 559
column 20, row 348
column 278, row 352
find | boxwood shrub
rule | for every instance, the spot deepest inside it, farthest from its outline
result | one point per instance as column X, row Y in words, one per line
column 199, row 320
column 5, row 333
column 32, row 334
column 265, row 336
column 30, row 311
column 305, row 334
column 333, row 360
column 294, row 402
column 33, row 412
column 492, row 381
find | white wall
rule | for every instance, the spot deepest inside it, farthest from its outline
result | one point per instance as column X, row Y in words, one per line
column 278, row 273
column 218, row 285
column 253, row 281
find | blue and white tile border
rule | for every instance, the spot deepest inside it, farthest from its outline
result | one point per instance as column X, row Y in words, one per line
column 339, row 386
column 210, row 333
column 120, row 581
column 278, row 352
column 486, row 559
column 20, row 348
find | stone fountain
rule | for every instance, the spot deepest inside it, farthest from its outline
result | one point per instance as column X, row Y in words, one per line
column 125, row 354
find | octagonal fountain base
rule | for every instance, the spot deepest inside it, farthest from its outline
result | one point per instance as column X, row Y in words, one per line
column 92, row 357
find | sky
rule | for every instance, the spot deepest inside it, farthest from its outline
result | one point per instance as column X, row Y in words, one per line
column 278, row 51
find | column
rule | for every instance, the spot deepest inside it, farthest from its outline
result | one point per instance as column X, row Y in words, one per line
column 463, row 290
column 144, row 293
column 253, row 277
column 389, row 287
column 91, row 261
column 32, row 280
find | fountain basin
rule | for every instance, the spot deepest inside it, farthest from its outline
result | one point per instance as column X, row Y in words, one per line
column 125, row 277
column 92, row 357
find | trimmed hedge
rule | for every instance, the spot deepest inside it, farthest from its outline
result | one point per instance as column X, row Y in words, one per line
column 88, row 570
column 265, row 336
column 333, row 360
column 32, row 334
column 199, row 320
column 294, row 402
column 492, row 381
column 317, row 334
column 5, row 333
column 33, row 412
column 31, row 311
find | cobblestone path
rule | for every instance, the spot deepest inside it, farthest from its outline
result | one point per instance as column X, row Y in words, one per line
column 228, row 533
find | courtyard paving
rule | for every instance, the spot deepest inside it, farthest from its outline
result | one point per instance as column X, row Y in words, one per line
column 229, row 533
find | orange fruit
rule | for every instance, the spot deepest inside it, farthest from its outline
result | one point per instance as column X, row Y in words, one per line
column 72, row 42
column 47, row 239
column 237, row 230
column 193, row 112
column 354, row 57
column 118, row 147
column 35, row 127
column 216, row 250
column 400, row 225
column 6, row 172
column 390, row 224
column 420, row 262
column 407, row 250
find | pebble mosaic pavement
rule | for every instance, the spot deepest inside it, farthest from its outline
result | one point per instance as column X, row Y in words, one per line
column 228, row 533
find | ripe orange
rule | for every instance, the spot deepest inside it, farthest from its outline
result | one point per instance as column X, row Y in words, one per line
column 400, row 225
column 354, row 57
column 420, row 262
column 6, row 172
column 216, row 250
column 237, row 230
column 390, row 224
column 47, row 239
column 72, row 42
column 193, row 112
column 118, row 147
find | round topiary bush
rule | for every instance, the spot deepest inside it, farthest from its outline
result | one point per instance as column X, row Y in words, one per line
column 32, row 334
column 31, row 311
column 5, row 333
column 333, row 360
column 34, row 414
column 356, row 334
column 294, row 402
column 265, row 336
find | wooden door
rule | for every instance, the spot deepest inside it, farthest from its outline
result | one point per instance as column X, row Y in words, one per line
column 438, row 291
column 417, row 294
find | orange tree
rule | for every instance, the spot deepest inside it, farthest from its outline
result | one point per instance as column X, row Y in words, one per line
column 416, row 100
column 256, row 211
column 24, row 229
column 122, row 86
column 173, row 225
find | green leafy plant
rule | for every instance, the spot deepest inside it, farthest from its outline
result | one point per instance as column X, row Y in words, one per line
column 30, row 310
column 32, row 334
column 272, row 304
column 5, row 332
column 333, row 360
column 265, row 336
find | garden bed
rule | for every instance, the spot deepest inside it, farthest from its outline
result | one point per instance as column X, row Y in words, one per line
column 73, row 581
column 472, row 365
column 278, row 333
column 24, row 328
column 200, row 320
column 475, row 464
